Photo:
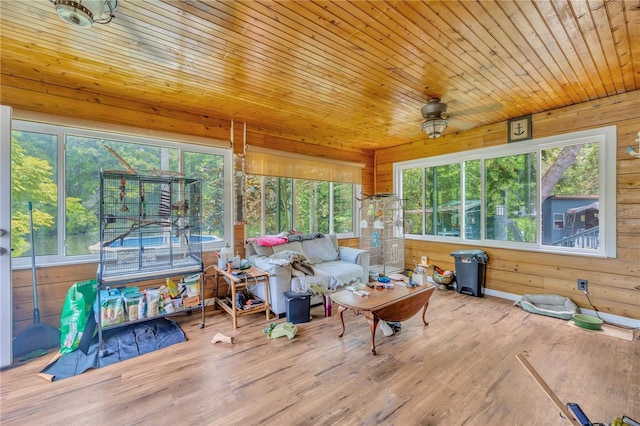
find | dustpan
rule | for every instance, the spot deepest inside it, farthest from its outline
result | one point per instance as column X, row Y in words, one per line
column 39, row 335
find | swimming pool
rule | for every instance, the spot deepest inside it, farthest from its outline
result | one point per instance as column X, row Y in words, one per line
column 157, row 242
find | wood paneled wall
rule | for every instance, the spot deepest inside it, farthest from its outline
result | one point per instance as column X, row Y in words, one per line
column 614, row 284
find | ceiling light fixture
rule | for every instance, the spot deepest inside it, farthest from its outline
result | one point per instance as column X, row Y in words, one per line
column 435, row 121
column 83, row 13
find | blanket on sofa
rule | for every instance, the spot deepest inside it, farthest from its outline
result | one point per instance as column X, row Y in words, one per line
column 303, row 266
column 283, row 238
column 269, row 241
column 305, row 237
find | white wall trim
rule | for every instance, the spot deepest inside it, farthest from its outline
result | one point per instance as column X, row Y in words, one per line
column 6, row 285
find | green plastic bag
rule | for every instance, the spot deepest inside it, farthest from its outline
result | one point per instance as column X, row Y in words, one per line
column 76, row 311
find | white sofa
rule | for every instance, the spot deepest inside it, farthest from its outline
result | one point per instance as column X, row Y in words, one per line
column 333, row 267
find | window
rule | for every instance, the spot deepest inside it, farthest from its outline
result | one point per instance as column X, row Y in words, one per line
column 286, row 191
column 276, row 204
column 34, row 178
column 510, row 198
column 543, row 195
column 58, row 170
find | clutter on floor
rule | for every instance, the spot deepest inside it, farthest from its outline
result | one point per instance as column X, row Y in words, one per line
column 119, row 344
column 274, row 330
column 219, row 337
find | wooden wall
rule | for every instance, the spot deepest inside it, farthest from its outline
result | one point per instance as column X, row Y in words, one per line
column 614, row 284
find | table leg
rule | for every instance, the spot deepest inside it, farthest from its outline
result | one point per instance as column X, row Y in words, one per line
column 266, row 297
column 341, row 309
column 234, row 308
column 216, row 295
column 424, row 311
column 373, row 324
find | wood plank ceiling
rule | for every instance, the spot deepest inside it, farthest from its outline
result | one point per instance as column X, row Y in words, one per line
column 357, row 72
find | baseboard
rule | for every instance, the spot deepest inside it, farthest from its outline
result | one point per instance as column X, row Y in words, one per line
column 612, row 319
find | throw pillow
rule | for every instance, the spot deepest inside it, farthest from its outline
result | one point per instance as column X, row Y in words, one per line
column 294, row 246
column 320, row 250
column 262, row 250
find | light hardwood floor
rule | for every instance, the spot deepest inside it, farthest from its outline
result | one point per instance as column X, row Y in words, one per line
column 460, row 370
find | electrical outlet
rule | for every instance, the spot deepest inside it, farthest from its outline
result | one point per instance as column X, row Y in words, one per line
column 582, row 284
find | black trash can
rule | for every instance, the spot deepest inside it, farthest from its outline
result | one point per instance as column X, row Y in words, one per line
column 298, row 306
column 470, row 268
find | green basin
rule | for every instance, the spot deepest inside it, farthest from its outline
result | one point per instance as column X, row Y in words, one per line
column 587, row 321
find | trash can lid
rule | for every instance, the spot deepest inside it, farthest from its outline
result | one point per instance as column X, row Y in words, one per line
column 475, row 255
column 296, row 295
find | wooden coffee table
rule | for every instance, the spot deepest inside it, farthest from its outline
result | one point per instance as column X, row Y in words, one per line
column 391, row 304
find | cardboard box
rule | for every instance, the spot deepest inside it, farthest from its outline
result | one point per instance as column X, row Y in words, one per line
column 190, row 301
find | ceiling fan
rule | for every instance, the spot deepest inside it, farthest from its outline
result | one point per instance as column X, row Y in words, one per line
column 436, row 119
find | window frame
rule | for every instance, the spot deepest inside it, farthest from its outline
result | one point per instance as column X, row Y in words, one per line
column 354, row 205
column 606, row 137
column 183, row 143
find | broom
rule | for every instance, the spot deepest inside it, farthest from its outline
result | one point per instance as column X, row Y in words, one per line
column 39, row 336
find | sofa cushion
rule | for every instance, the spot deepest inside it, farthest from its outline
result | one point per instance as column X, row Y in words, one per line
column 293, row 246
column 338, row 273
column 318, row 250
column 262, row 250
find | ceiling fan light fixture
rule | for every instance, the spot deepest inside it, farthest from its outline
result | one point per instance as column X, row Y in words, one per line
column 435, row 119
column 83, row 13
column 434, row 127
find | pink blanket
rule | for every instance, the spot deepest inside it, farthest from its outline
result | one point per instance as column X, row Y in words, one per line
column 268, row 241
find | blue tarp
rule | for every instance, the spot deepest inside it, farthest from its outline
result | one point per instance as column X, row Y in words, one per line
column 120, row 343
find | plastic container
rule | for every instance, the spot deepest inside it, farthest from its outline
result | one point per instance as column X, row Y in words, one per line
column 153, row 302
column 226, row 255
column 587, row 321
column 168, row 306
column 192, row 284
column 132, row 304
column 177, row 304
column 470, row 271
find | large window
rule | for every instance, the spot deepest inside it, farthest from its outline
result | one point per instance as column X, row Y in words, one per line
column 287, row 191
column 542, row 195
column 58, row 170
column 276, row 204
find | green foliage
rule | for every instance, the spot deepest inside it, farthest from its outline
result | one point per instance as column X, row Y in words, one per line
column 581, row 178
column 526, row 227
column 312, row 205
column 412, row 195
column 342, row 207
column 79, row 219
column 31, row 180
column 209, row 168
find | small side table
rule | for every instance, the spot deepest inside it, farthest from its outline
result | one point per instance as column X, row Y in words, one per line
column 252, row 276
